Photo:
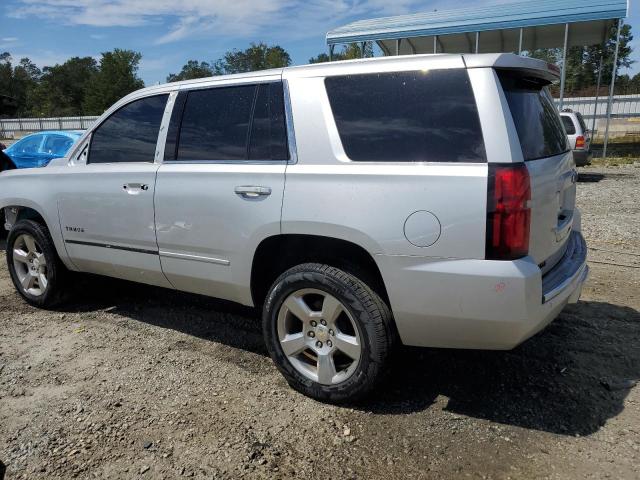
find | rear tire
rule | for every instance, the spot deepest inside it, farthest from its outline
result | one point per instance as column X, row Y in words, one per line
column 328, row 333
column 35, row 268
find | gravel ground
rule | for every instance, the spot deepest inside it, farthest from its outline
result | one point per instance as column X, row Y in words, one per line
column 138, row 382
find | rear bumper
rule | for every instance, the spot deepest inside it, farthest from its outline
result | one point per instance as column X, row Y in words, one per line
column 480, row 304
column 582, row 157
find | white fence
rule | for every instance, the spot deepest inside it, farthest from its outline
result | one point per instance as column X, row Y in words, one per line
column 10, row 126
column 623, row 106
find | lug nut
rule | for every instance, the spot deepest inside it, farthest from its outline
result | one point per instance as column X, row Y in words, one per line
column 323, row 322
column 319, row 344
column 331, row 332
column 314, row 323
column 311, row 334
column 329, row 344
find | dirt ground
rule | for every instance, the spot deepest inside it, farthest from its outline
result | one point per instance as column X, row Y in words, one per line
column 139, row 382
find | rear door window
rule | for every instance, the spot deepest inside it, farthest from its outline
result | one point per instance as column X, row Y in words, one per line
column 215, row 124
column 416, row 116
column 535, row 116
column 130, row 134
column 268, row 131
column 244, row 122
column 569, row 127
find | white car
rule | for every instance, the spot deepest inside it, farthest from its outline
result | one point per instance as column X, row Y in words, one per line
column 579, row 136
column 427, row 200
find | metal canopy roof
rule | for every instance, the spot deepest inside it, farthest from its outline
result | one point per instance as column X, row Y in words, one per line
column 499, row 26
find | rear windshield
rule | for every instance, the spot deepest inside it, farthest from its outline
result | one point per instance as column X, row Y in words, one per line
column 568, row 124
column 417, row 116
column 535, row 116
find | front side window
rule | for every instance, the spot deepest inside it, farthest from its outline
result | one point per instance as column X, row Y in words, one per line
column 29, row 145
column 130, row 134
column 417, row 116
column 57, row 145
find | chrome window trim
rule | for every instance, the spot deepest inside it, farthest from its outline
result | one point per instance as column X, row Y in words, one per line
column 226, row 162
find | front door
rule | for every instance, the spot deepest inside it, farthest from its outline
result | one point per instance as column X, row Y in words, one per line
column 106, row 208
column 219, row 192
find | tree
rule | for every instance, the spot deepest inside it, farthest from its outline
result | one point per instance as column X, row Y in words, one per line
column 17, row 81
column 116, row 77
column 62, row 88
column 256, row 57
column 583, row 62
column 351, row 51
column 192, row 69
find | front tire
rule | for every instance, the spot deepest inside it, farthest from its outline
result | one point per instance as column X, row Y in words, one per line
column 328, row 333
column 34, row 265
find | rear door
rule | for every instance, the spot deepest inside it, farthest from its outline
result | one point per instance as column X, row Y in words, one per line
column 549, row 161
column 106, row 201
column 219, row 191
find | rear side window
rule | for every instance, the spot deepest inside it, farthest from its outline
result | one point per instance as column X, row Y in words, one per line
column 268, row 132
column 568, row 124
column 535, row 116
column 130, row 134
column 418, row 116
column 245, row 122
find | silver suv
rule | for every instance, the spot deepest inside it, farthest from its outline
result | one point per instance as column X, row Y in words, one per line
column 579, row 136
column 427, row 200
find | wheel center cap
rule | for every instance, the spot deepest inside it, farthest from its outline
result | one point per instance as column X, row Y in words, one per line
column 322, row 333
column 36, row 264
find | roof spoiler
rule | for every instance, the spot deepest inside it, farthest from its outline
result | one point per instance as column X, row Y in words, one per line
column 538, row 68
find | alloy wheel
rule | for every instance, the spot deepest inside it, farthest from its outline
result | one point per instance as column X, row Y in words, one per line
column 319, row 336
column 30, row 265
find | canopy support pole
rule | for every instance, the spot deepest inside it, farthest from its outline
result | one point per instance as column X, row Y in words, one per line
column 595, row 106
column 613, row 83
column 331, row 47
column 477, row 42
column 398, row 46
column 520, row 42
column 435, row 44
column 564, row 64
column 362, row 46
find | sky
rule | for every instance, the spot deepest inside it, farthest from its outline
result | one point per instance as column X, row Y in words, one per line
column 170, row 32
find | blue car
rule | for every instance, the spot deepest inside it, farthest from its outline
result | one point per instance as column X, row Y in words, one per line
column 38, row 149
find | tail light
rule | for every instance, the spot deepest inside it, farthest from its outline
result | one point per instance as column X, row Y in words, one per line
column 579, row 142
column 508, row 212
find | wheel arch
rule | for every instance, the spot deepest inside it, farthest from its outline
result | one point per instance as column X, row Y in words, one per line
column 276, row 254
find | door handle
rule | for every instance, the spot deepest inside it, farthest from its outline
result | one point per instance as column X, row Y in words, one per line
column 252, row 191
column 135, row 188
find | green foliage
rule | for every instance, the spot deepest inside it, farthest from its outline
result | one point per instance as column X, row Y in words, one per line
column 583, row 63
column 116, row 77
column 192, row 69
column 351, row 51
column 17, row 81
column 257, row 57
column 61, row 90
